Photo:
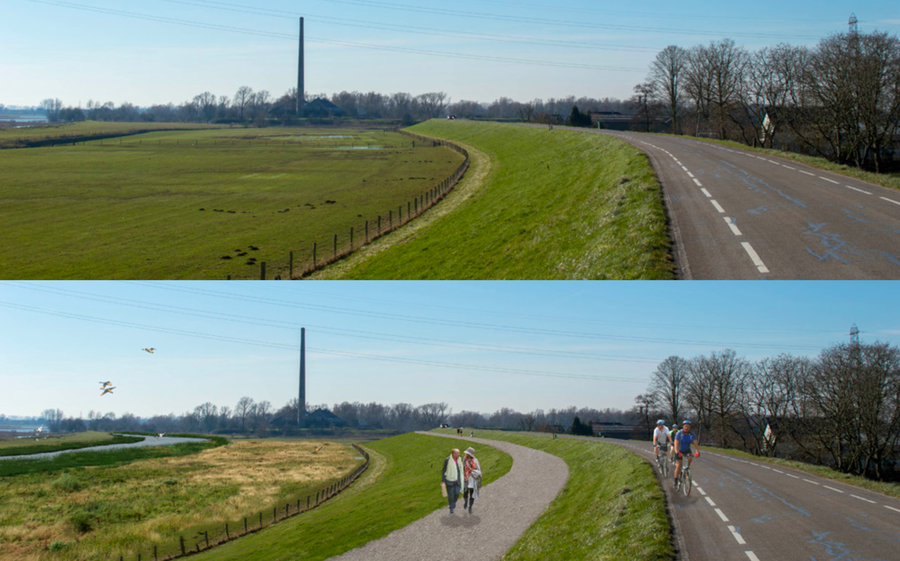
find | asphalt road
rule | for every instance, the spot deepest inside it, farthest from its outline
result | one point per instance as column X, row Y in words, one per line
column 735, row 214
column 744, row 510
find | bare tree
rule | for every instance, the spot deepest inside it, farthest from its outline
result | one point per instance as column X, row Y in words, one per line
column 243, row 410
column 242, row 99
column 668, row 74
column 432, row 104
column 669, row 384
column 433, row 414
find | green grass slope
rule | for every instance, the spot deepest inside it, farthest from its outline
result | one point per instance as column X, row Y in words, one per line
column 555, row 205
column 401, row 486
column 190, row 204
column 611, row 508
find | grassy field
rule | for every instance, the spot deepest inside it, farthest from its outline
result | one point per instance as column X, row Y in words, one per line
column 194, row 204
column 400, row 487
column 22, row 446
column 10, row 138
column 104, row 511
column 554, row 205
column 611, row 508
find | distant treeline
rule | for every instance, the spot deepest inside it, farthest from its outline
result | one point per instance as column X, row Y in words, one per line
column 839, row 99
column 260, row 108
column 840, row 409
column 260, row 419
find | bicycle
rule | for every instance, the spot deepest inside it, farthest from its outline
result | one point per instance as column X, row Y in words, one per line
column 684, row 478
column 662, row 460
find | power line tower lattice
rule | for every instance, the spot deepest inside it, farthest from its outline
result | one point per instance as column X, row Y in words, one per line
column 854, row 335
column 854, row 29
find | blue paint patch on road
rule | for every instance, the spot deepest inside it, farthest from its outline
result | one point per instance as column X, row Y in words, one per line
column 762, row 519
column 759, row 492
column 838, row 249
column 758, row 210
column 836, row 550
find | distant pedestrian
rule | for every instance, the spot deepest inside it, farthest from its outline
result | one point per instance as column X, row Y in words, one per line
column 452, row 477
column 472, row 474
column 471, row 434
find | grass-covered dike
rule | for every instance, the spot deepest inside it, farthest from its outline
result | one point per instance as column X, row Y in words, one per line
column 555, row 204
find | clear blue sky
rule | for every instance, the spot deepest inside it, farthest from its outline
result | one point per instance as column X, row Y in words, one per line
column 159, row 51
column 475, row 345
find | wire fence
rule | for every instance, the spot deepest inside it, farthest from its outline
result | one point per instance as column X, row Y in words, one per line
column 300, row 264
column 213, row 535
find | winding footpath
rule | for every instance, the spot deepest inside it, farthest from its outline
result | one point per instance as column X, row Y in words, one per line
column 507, row 507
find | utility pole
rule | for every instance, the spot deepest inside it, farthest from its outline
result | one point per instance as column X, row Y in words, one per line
column 301, row 399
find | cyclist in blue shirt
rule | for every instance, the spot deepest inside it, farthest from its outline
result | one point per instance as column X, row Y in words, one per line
column 684, row 439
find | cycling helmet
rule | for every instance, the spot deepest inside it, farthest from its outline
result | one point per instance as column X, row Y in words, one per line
column 686, row 422
column 660, row 422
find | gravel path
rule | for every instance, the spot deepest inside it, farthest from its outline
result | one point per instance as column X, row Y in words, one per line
column 507, row 507
column 148, row 441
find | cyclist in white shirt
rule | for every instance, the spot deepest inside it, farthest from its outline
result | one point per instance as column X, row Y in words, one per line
column 661, row 437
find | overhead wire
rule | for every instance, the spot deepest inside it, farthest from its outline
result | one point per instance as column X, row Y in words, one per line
column 284, row 346
column 458, row 323
column 345, row 332
column 409, row 50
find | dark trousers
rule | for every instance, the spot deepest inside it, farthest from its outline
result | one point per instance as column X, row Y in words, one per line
column 468, row 497
column 452, row 493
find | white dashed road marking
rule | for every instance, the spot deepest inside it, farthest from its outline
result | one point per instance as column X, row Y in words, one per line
column 698, row 183
column 752, row 556
column 736, row 535
column 733, row 226
column 705, row 192
column 718, row 206
column 889, row 200
column 861, row 498
column 710, row 501
column 833, row 489
column 829, row 180
column 892, row 508
column 860, row 190
column 806, row 172
column 721, row 515
column 760, row 266
column 810, row 481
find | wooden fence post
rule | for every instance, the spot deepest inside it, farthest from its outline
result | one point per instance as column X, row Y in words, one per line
column 314, row 255
column 181, row 541
column 260, row 519
column 227, row 536
column 367, row 231
column 351, row 238
column 335, row 245
column 245, row 524
column 379, row 224
column 291, row 264
column 391, row 219
column 262, row 270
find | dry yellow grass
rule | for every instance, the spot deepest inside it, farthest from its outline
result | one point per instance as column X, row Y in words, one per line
column 154, row 500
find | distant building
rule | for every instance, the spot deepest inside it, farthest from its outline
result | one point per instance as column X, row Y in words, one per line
column 323, row 418
column 322, row 108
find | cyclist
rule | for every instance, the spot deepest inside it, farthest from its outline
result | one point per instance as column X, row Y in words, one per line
column 683, row 442
column 661, row 438
column 672, row 433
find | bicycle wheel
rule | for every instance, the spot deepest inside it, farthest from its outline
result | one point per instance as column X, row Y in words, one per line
column 664, row 466
column 686, row 482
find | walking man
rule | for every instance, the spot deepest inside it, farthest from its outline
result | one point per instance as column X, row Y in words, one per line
column 452, row 477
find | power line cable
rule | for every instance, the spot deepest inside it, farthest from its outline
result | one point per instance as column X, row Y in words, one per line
column 344, row 332
column 443, row 54
column 474, row 325
column 269, row 344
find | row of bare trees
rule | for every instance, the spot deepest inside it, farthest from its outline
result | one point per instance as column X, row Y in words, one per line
column 839, row 99
column 841, row 408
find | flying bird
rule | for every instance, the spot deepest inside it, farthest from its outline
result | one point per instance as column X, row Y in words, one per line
column 105, row 384
column 106, row 391
column 150, row 350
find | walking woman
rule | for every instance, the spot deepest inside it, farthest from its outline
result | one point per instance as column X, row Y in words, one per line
column 472, row 474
